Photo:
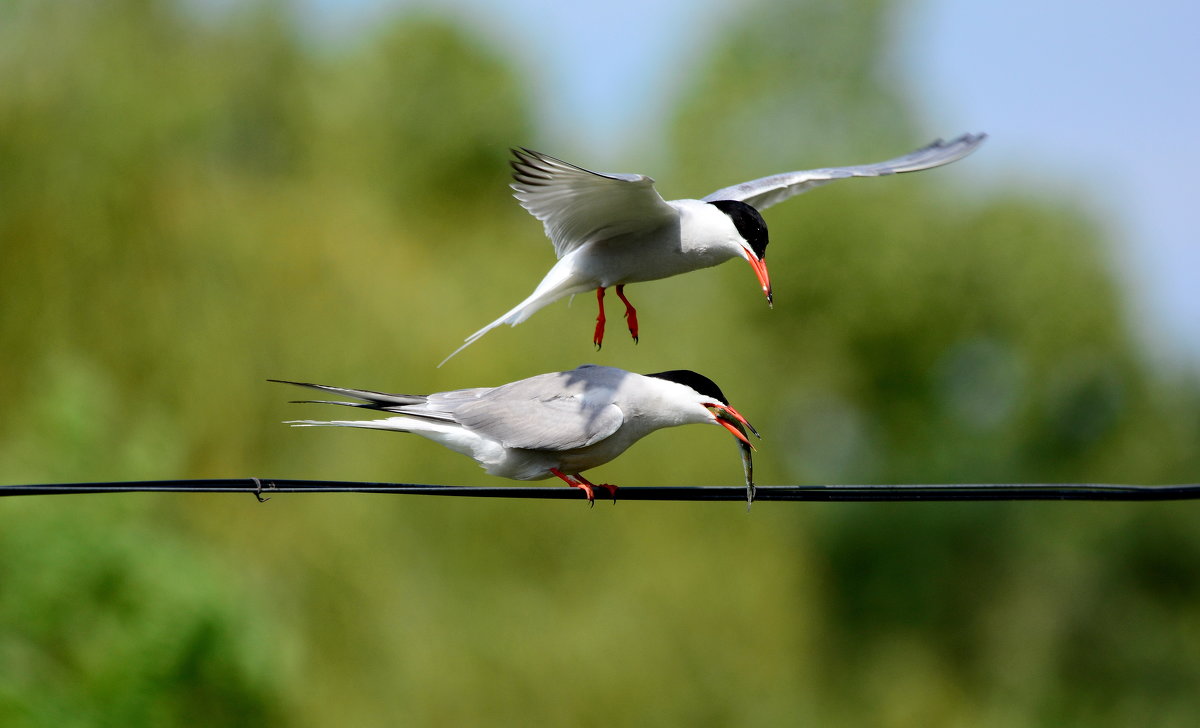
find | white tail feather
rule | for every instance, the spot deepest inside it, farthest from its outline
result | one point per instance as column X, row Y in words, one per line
column 389, row 423
column 559, row 282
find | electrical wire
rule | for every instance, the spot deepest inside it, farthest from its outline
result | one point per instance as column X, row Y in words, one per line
column 264, row 487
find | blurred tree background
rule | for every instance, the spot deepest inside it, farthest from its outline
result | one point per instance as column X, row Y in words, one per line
column 192, row 202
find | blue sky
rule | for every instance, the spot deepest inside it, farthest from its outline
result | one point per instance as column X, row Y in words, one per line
column 1096, row 101
column 1100, row 100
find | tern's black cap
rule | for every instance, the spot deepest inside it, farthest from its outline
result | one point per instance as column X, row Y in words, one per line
column 750, row 225
column 696, row 381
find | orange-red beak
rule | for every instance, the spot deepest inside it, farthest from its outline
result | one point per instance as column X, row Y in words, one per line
column 732, row 420
column 760, row 271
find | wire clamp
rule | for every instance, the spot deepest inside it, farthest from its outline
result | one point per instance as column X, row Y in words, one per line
column 258, row 489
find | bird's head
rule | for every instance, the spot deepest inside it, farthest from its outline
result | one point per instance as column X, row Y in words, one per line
column 752, row 231
column 709, row 396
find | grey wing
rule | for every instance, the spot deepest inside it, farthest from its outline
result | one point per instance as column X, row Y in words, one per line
column 764, row 192
column 442, row 405
column 578, row 206
column 540, row 414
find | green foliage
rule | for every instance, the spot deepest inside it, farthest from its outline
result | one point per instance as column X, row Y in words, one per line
column 191, row 204
column 109, row 620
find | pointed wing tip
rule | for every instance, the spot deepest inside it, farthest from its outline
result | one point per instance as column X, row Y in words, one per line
column 969, row 141
column 297, row 384
column 522, row 156
column 937, row 153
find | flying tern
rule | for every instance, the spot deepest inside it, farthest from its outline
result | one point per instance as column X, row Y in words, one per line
column 615, row 229
column 557, row 424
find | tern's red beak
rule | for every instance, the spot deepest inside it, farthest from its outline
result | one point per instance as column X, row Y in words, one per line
column 760, row 271
column 732, row 420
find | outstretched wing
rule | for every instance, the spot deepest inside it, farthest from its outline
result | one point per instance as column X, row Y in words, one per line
column 579, row 206
column 764, row 192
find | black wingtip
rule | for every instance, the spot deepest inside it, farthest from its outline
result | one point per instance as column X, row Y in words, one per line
column 289, row 381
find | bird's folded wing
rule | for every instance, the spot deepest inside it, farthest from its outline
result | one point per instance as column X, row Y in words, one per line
column 764, row 192
column 578, row 206
column 556, row 423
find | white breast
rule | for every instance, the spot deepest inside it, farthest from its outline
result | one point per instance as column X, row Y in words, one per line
column 703, row 237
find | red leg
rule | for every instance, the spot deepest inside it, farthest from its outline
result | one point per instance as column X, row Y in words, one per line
column 630, row 312
column 578, row 481
column 598, row 337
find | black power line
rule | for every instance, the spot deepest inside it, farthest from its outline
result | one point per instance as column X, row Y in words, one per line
column 263, row 487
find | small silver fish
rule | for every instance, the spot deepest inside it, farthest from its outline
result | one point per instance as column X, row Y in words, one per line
column 748, row 466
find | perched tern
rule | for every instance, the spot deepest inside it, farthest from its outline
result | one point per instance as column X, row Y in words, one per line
column 615, row 229
column 559, row 424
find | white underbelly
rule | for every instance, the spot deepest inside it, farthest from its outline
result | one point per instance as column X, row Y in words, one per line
column 617, row 262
